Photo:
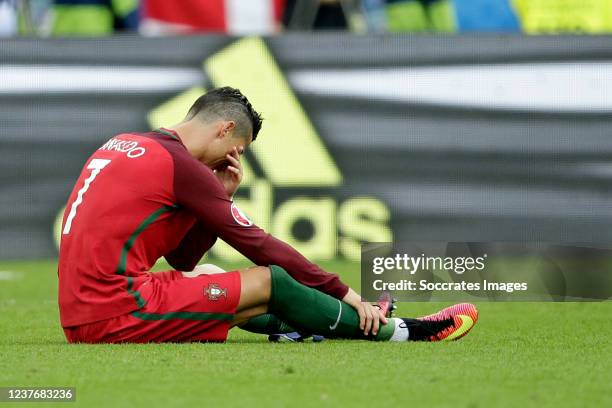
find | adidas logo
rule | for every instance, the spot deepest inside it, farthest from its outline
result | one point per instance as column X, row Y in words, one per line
column 286, row 161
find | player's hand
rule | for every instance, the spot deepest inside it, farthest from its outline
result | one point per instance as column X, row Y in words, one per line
column 370, row 316
column 230, row 175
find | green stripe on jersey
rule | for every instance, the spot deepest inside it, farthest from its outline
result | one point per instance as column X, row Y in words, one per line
column 165, row 132
column 130, row 241
column 183, row 315
column 139, row 300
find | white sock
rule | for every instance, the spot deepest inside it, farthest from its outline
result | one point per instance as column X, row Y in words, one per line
column 401, row 330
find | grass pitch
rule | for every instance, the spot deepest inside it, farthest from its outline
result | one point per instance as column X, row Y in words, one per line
column 518, row 355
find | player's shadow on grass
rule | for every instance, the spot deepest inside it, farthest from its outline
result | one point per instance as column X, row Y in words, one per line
column 43, row 342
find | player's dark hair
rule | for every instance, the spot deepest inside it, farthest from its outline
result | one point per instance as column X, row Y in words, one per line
column 229, row 104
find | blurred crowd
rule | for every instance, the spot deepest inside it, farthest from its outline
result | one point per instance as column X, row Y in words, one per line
column 242, row 17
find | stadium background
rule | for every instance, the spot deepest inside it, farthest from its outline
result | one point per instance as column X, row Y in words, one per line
column 471, row 120
column 477, row 138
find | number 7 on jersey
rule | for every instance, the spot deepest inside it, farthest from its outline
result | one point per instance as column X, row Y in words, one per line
column 96, row 166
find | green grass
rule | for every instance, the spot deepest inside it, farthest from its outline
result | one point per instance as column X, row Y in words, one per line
column 519, row 355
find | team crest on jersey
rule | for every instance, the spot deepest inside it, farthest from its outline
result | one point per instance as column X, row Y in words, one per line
column 214, row 291
column 240, row 217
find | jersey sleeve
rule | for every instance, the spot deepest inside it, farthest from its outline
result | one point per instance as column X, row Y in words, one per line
column 197, row 189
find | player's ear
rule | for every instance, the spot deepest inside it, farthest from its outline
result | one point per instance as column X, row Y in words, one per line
column 227, row 128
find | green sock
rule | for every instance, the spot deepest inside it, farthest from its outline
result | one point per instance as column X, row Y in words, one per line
column 266, row 324
column 316, row 312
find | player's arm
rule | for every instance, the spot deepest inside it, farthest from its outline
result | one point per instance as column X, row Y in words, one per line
column 197, row 189
column 192, row 247
column 208, row 200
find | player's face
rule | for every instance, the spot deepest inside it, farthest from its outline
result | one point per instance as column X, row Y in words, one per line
column 228, row 143
column 236, row 143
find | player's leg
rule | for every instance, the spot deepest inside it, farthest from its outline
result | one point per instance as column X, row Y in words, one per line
column 205, row 307
column 176, row 309
column 266, row 323
column 254, row 320
column 260, row 323
column 179, row 308
column 313, row 311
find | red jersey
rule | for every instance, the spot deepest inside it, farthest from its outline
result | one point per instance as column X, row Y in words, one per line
column 143, row 196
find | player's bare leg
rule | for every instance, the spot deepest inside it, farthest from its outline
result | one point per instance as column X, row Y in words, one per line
column 255, row 289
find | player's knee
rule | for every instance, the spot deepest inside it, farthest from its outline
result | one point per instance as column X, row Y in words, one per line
column 256, row 280
column 264, row 278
